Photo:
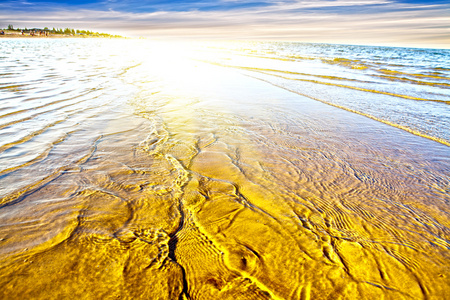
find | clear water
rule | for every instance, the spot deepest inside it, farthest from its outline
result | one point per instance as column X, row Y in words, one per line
column 405, row 87
column 131, row 169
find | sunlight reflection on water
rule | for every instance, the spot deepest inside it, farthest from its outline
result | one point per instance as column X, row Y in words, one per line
column 146, row 170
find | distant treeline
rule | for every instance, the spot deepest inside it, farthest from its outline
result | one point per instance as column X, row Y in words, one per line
column 66, row 31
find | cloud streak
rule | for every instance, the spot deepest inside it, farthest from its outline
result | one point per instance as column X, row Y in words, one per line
column 382, row 22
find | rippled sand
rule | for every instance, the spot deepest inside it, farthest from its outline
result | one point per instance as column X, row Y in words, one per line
column 177, row 179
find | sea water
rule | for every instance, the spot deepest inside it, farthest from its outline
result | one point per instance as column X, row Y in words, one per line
column 405, row 87
column 238, row 170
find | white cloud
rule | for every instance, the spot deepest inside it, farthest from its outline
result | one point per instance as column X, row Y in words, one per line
column 398, row 24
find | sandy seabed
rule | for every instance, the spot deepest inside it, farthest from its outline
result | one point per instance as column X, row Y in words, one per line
column 185, row 180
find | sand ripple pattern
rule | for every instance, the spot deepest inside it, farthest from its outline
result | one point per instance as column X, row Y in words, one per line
column 204, row 183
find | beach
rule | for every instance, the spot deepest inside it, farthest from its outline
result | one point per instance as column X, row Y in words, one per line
column 43, row 34
column 135, row 169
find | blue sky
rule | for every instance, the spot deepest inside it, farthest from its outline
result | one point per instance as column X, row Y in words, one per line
column 379, row 22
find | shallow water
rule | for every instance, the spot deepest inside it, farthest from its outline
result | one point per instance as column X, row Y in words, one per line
column 404, row 87
column 140, row 170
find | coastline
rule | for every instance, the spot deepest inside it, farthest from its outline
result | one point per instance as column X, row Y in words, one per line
column 14, row 34
column 56, row 36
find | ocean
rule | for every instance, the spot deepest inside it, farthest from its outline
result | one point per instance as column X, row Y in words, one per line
column 223, row 170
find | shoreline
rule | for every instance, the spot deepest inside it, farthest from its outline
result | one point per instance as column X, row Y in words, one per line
column 14, row 34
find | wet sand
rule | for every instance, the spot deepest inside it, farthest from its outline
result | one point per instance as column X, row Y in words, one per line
column 213, row 185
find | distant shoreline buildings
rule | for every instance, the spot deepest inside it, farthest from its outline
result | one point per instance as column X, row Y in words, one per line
column 54, row 32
